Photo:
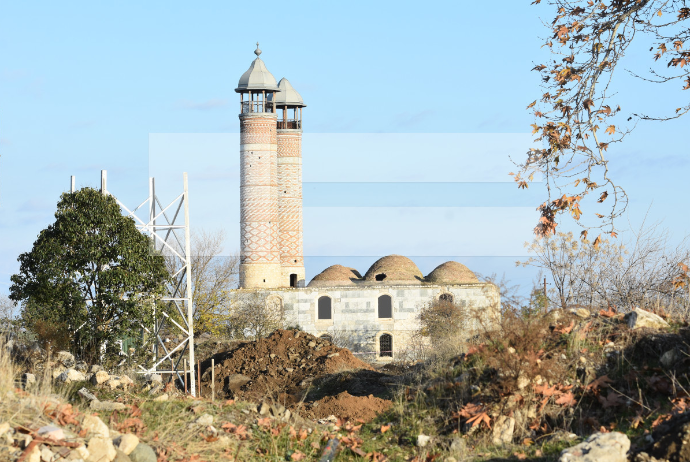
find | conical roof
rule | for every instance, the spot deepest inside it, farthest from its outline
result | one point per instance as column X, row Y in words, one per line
column 288, row 96
column 257, row 76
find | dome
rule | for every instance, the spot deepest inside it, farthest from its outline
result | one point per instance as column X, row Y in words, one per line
column 288, row 96
column 451, row 272
column 394, row 269
column 257, row 76
column 336, row 275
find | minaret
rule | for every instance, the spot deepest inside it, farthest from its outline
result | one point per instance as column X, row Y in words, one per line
column 259, row 246
column 289, row 104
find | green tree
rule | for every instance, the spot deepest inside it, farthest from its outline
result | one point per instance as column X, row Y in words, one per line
column 91, row 271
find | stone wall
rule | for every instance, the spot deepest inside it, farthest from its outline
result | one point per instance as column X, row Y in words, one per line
column 355, row 314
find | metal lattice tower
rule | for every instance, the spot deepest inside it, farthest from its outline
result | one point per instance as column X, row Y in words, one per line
column 168, row 229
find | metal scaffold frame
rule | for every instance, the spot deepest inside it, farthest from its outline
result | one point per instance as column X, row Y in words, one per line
column 163, row 228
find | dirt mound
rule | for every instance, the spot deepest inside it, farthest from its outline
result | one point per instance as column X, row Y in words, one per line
column 281, row 366
column 349, row 407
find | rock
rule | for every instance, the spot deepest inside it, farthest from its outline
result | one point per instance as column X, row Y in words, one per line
column 126, row 382
column 163, row 397
column 28, row 380
column 143, row 453
column 4, row 428
column 205, row 420
column 311, row 344
column 46, row 455
column 81, row 366
column 80, row 452
column 157, row 378
column 599, row 447
column 234, row 382
column 511, row 350
column 333, row 355
column 96, row 368
column 66, row 358
column 503, row 430
column 669, row 358
column 458, row 445
column 51, row 432
column 126, row 443
column 57, row 371
column 580, row 312
column 121, row 456
column 638, row 318
column 95, row 426
column 100, row 377
column 71, row 375
column 422, row 440
column 101, row 450
column 264, row 409
column 113, row 382
column 522, row 382
column 34, row 455
column 106, row 406
column 672, row 440
column 86, row 394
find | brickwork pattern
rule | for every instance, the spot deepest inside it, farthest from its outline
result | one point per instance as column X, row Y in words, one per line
column 290, row 202
column 259, row 229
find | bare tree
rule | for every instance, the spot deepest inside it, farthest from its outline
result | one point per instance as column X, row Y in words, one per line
column 253, row 315
column 574, row 118
column 214, row 276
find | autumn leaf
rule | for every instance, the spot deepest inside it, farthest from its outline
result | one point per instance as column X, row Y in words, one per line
column 603, row 197
column 532, row 104
column 265, row 422
column 597, row 241
column 479, row 418
column 637, row 420
column 612, row 399
column 385, row 428
column 567, row 399
column 600, row 382
column 297, row 455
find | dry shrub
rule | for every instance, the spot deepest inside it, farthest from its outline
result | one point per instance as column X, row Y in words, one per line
column 523, row 348
column 52, row 335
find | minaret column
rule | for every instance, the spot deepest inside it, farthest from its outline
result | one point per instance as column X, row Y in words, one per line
column 290, row 206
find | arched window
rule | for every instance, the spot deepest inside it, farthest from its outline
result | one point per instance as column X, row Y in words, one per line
column 386, row 345
column 325, row 307
column 385, row 306
column 446, row 298
column 326, row 337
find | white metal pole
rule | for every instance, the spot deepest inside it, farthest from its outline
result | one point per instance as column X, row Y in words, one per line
column 104, row 182
column 188, row 264
column 71, row 184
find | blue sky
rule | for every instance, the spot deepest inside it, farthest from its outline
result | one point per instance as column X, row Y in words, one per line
column 438, row 88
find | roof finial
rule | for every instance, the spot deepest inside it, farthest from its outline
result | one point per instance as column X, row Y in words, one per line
column 257, row 52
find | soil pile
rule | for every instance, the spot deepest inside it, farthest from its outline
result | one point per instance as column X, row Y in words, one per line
column 281, row 366
column 348, row 407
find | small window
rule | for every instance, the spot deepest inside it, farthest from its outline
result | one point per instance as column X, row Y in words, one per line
column 386, row 345
column 380, row 277
column 293, row 280
column 326, row 337
column 325, row 307
column 385, row 307
column 446, row 298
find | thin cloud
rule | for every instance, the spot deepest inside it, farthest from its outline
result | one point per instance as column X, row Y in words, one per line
column 5, row 142
column 204, row 105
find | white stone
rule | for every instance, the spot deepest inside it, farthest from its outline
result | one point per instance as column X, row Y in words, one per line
column 163, row 397
column 422, row 440
column 638, row 318
column 65, row 358
column 126, row 443
column 4, row 428
column 106, row 406
column 95, row 426
column 34, row 455
column 100, row 377
column 46, row 455
column 101, row 450
column 51, row 432
column 522, row 382
column 599, row 447
column 205, row 420
column 669, row 358
column 504, row 427
column 71, row 375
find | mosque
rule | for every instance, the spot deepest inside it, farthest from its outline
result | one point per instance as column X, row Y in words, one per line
column 377, row 311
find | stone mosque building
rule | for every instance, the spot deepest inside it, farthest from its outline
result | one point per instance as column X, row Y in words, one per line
column 377, row 311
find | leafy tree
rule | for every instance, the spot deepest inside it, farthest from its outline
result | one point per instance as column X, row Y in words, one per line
column 91, row 271
column 575, row 119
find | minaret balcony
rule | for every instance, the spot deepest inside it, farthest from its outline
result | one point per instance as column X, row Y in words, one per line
column 289, row 124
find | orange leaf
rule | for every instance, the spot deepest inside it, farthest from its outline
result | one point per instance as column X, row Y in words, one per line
column 611, row 129
column 567, row 399
column 385, row 428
